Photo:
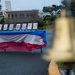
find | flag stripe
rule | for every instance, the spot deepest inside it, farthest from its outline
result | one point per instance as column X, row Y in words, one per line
column 20, row 46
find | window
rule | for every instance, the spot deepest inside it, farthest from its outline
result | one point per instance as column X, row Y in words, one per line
column 27, row 15
column 16, row 16
column 12, row 16
column 23, row 15
column 8, row 16
column 20, row 16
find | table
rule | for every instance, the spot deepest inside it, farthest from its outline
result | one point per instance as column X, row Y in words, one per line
column 24, row 40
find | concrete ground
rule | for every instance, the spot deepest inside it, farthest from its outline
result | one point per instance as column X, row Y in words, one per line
column 22, row 63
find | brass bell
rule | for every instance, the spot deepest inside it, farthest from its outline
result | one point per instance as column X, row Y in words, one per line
column 63, row 45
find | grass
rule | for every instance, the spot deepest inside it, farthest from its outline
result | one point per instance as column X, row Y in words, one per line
column 62, row 65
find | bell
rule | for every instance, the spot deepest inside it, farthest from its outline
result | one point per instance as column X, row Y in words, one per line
column 63, row 45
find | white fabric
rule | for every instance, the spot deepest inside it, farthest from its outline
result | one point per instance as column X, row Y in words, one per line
column 27, row 38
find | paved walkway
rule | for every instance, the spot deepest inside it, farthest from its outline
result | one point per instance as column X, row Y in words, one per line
column 22, row 63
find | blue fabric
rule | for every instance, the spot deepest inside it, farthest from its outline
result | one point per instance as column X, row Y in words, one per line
column 41, row 33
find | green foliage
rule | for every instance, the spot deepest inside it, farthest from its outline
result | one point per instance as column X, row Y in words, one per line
column 74, row 68
column 53, row 17
column 41, row 23
column 62, row 65
column 49, row 19
column 46, row 9
column 52, row 8
column 2, row 21
column 73, row 7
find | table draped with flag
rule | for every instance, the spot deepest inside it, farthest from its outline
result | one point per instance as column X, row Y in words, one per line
column 27, row 40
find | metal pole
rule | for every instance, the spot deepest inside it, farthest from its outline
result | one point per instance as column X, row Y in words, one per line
column 68, row 7
column 68, row 13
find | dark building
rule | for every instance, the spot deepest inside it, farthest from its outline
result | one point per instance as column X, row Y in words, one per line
column 22, row 16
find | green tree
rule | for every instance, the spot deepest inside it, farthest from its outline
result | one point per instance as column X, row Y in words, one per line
column 2, row 20
column 46, row 9
column 41, row 24
column 51, row 9
column 73, row 7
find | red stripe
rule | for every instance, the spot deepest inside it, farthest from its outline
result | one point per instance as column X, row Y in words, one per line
column 19, row 46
